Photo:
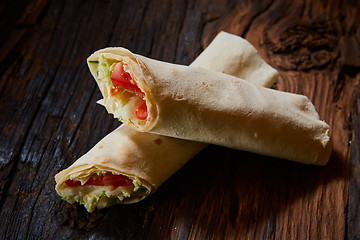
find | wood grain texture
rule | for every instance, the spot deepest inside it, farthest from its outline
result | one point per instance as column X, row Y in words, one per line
column 49, row 118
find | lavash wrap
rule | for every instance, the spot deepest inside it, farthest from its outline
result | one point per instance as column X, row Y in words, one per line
column 146, row 157
column 235, row 56
column 151, row 158
column 199, row 105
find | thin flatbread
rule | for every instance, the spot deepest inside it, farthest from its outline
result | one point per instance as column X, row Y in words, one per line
column 199, row 105
column 146, row 158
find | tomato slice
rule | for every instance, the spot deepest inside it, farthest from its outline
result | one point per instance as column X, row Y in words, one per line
column 122, row 79
column 72, row 183
column 116, row 180
column 108, row 179
column 96, row 182
column 140, row 111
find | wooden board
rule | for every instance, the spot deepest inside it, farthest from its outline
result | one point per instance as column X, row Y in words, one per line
column 49, row 118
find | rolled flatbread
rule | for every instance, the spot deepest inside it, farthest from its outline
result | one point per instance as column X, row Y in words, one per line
column 146, row 159
column 199, row 105
column 235, row 56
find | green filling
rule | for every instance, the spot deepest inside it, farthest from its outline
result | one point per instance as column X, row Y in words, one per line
column 93, row 64
column 101, row 199
column 104, row 72
column 141, row 192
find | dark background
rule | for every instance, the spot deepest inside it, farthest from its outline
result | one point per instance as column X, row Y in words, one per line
column 49, row 118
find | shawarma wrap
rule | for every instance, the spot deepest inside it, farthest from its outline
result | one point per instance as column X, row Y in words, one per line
column 200, row 105
column 126, row 165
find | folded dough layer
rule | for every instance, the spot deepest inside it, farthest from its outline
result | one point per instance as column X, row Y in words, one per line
column 199, row 105
column 150, row 159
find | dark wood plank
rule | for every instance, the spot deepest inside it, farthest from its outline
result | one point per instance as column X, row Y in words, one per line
column 48, row 118
column 354, row 179
column 308, row 47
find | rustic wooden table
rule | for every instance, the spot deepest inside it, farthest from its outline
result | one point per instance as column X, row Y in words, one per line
column 49, row 118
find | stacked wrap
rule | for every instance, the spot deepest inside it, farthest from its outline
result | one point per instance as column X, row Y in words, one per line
column 199, row 105
column 195, row 104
